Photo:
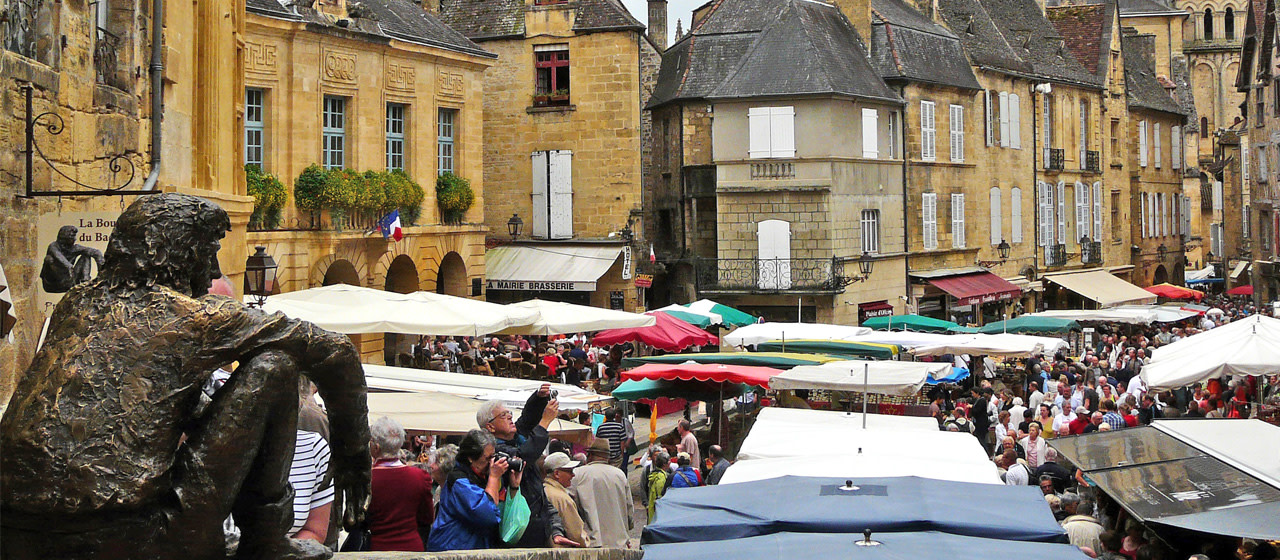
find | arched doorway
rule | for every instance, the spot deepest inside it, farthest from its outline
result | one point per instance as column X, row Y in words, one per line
column 402, row 278
column 1160, row 276
column 452, row 277
column 341, row 272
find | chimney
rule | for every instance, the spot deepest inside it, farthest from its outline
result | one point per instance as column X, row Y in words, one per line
column 431, row 6
column 658, row 23
column 858, row 13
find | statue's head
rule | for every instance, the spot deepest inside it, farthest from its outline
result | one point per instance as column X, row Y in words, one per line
column 67, row 235
column 169, row 240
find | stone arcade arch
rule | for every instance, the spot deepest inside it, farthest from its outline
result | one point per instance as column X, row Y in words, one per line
column 341, row 271
column 452, row 276
column 401, row 278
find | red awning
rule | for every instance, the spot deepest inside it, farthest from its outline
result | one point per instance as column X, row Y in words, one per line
column 978, row 287
column 1245, row 290
column 669, row 333
column 751, row 375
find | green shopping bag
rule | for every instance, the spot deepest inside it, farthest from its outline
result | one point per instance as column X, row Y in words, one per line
column 515, row 516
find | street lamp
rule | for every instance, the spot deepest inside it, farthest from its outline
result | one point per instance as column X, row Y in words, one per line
column 259, row 276
column 1162, row 250
column 865, row 264
column 627, row 234
column 1003, row 250
column 514, row 225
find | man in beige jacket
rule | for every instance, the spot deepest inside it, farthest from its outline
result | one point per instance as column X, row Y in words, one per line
column 559, row 468
column 605, row 497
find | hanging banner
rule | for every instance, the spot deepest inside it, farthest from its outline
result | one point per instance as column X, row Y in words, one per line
column 72, row 244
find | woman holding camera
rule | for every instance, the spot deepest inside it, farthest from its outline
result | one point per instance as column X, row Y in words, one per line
column 467, row 517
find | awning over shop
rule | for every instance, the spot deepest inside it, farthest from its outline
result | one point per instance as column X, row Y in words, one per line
column 976, row 288
column 1102, row 287
column 1213, row 476
column 1240, row 268
column 558, row 268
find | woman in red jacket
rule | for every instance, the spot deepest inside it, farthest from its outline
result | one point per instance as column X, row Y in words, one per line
column 400, row 507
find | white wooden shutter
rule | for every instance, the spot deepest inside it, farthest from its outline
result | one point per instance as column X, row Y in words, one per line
column 773, row 242
column 561, row 185
column 782, row 132
column 996, row 235
column 870, row 133
column 541, row 195
column 1062, row 212
column 957, row 133
column 1015, row 215
column 1004, row 119
column 1186, row 215
column 1015, row 122
column 927, row 131
column 1155, row 132
column 957, row 220
column 1175, row 145
column 1097, row 211
column 758, row 132
column 988, row 114
column 1217, row 196
column 1082, row 215
column 1244, row 159
column 1046, row 214
column 1146, row 229
column 1142, row 143
column 929, row 215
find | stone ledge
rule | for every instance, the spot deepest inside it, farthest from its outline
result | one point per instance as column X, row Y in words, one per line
column 501, row 554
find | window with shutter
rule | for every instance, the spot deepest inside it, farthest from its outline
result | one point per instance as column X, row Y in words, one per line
column 957, row 133
column 1015, row 215
column 758, row 133
column 1142, row 143
column 1015, row 122
column 1062, row 211
column 1046, row 127
column 1004, row 119
column 1084, row 131
column 1045, row 198
column 996, row 234
column 928, row 133
column 957, row 221
column 988, row 113
column 929, row 211
column 773, row 255
column 1142, row 209
column 1244, row 222
column 1082, row 211
column 541, row 195
column 560, row 185
column 1244, row 160
column 1175, row 146
column 1155, row 148
column 1097, row 211
column 870, row 133
column 1217, row 196
column 771, row 132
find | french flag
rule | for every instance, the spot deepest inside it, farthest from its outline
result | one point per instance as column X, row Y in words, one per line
column 390, row 226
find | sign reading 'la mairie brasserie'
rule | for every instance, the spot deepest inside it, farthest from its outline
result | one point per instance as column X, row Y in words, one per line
column 540, row 286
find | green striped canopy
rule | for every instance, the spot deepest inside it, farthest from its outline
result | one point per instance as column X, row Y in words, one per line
column 840, row 348
column 732, row 317
column 691, row 390
column 915, row 323
column 1031, row 324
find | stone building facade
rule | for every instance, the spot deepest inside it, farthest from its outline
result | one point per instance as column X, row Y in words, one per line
column 566, row 138
column 411, row 98
column 1260, row 149
column 89, row 64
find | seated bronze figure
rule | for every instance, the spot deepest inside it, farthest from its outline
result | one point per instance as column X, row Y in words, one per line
column 106, row 450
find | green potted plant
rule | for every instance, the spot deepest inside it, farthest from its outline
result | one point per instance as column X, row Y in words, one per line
column 269, row 197
column 454, row 197
column 404, row 194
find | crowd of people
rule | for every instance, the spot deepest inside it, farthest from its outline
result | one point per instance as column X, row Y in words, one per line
column 571, row 360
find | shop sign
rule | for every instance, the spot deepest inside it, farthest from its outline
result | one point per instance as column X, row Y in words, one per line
column 644, row 280
column 539, row 286
column 626, row 262
column 874, row 309
column 72, row 244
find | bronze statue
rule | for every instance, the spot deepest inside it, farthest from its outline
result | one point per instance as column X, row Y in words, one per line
column 106, row 450
column 67, row 264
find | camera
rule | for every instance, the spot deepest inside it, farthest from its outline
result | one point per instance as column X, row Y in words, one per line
column 514, row 464
column 555, row 393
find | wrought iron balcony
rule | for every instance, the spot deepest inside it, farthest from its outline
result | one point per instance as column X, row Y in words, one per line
column 770, row 275
column 1091, row 252
column 1092, row 162
column 1055, row 255
column 1055, row 159
column 105, row 62
column 773, row 170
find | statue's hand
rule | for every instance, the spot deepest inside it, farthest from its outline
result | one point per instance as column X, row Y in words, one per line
column 351, row 480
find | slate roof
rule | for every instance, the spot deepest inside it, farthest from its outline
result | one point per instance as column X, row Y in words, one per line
column 1140, row 84
column 1037, row 42
column 495, row 19
column 1139, row 7
column 906, row 45
column 982, row 40
column 386, row 19
column 1086, row 30
column 757, row 48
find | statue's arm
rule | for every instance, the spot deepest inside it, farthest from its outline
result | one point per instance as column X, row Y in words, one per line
column 55, row 253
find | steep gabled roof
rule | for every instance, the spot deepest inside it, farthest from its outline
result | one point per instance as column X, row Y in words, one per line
column 1249, row 45
column 495, row 19
column 1086, row 30
column 1140, row 84
column 592, row 15
column 1147, row 7
column 1037, row 42
column 758, row 48
column 906, row 45
column 982, row 40
column 382, row 19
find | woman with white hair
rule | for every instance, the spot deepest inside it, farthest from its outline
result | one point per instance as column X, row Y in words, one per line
column 401, row 509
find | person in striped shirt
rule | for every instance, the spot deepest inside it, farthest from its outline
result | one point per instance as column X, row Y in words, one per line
column 312, row 494
column 613, row 431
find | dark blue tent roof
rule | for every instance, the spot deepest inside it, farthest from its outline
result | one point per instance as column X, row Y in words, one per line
column 885, row 505
column 893, row 546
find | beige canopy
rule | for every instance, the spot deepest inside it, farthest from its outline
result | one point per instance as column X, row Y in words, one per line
column 444, row 414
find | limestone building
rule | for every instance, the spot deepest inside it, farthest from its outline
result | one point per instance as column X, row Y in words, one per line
column 565, row 138
column 379, row 85
column 1261, row 159
column 96, row 67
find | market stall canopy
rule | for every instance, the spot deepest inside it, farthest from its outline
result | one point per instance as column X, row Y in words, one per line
column 779, row 440
column 819, row 504
column 358, row 310
column 1169, row 291
column 1130, row 314
column 764, row 332
column 1199, row 275
column 512, row 392
column 554, row 317
column 668, row 333
column 1102, row 287
column 564, row 267
column 781, row 360
column 443, row 414
column 731, row 316
column 1031, row 324
column 894, row 546
column 973, row 286
column 1003, row 345
column 905, row 339
column 916, row 323
column 839, row 348
column 1240, row 269
column 880, row 377
column 696, row 318
column 803, row 419
column 1249, row 346
column 1245, row 290
column 720, row 373
column 691, row 390
column 1217, row 476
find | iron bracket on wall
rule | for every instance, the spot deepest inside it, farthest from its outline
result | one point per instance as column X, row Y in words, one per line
column 54, row 124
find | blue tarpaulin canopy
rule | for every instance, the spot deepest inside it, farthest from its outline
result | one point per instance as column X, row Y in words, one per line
column 884, row 505
column 893, row 546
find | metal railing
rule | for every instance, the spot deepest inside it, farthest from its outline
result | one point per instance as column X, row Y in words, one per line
column 105, row 62
column 773, row 170
column 1055, row 255
column 769, row 275
column 1091, row 252
column 1055, row 160
column 1092, row 162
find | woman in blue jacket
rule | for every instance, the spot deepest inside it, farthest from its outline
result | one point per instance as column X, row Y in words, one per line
column 467, row 517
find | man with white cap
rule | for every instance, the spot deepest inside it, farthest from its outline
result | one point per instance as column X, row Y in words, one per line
column 559, row 468
column 605, row 498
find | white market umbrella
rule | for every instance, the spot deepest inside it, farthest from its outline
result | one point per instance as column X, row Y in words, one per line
column 1249, row 346
column 553, row 317
column 765, row 332
column 905, row 339
column 1004, row 345
column 859, row 466
column 677, row 309
column 358, row 310
column 881, row 377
